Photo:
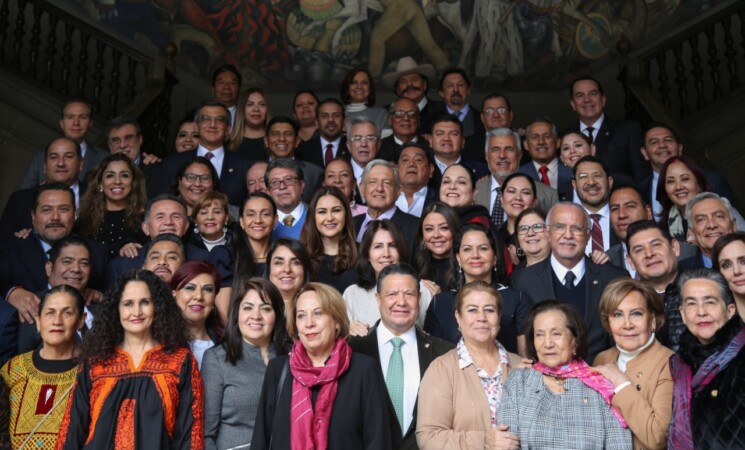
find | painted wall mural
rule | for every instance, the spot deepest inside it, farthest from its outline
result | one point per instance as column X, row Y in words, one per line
column 288, row 44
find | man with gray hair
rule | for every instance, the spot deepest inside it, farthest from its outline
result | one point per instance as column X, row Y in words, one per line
column 363, row 141
column 709, row 217
column 503, row 158
column 380, row 186
column 403, row 117
column 542, row 143
column 568, row 275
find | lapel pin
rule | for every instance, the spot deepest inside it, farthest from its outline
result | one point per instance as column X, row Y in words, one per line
column 594, row 281
column 426, row 345
column 230, row 170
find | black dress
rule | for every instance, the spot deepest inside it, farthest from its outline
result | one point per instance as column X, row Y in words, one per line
column 340, row 281
column 253, row 148
column 115, row 233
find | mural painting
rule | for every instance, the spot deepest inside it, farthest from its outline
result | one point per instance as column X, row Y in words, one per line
column 289, row 44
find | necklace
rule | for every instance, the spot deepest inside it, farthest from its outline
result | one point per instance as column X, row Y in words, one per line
column 561, row 382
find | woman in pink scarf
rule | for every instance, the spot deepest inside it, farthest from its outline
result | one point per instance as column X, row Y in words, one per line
column 322, row 396
column 561, row 402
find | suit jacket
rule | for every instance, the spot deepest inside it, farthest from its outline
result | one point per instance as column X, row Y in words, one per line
column 34, row 175
column 536, row 282
column 232, row 176
column 389, row 148
column 547, row 197
column 717, row 184
column 313, row 177
column 431, row 110
column 312, row 152
column 564, row 186
column 647, row 405
column 8, row 331
column 471, row 123
column 17, row 212
column 428, row 347
column 406, row 223
column 618, row 144
column 617, row 258
column 453, row 412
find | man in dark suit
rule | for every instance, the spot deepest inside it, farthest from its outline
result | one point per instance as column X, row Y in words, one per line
column 76, row 121
column 404, row 121
column 328, row 143
column 62, row 164
column 226, row 86
column 381, row 186
column 415, row 169
column 568, row 275
column 627, row 206
column 455, row 88
column 542, row 142
column 660, row 144
column 496, row 112
column 397, row 336
column 592, row 184
column 22, row 260
column 709, row 217
column 213, row 122
column 617, row 141
column 446, row 142
column 411, row 80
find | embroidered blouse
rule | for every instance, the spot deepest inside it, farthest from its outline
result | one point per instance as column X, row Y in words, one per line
column 492, row 384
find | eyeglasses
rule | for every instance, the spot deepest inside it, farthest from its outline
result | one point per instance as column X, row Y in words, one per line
column 193, row 177
column 287, row 181
column 501, row 111
column 561, row 228
column 218, row 119
column 399, row 114
column 369, row 138
column 126, row 139
column 536, row 227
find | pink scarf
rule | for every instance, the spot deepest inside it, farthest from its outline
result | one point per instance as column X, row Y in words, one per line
column 589, row 376
column 309, row 426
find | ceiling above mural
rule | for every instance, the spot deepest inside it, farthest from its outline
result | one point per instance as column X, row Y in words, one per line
column 289, row 44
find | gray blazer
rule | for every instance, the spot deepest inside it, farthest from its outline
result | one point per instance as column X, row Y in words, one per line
column 34, row 175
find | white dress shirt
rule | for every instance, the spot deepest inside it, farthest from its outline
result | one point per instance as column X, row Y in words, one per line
column 296, row 213
column 443, row 166
column 410, row 355
column 595, row 127
column 334, row 147
column 656, row 206
column 553, row 172
column 417, row 203
column 561, row 271
column 386, row 215
column 218, row 156
column 604, row 226
column 493, row 196
column 357, row 169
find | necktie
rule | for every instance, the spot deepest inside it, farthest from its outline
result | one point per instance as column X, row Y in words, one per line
column 544, row 175
column 209, row 155
column 497, row 212
column 597, row 233
column 569, row 280
column 329, row 154
column 589, row 134
column 288, row 221
column 394, row 380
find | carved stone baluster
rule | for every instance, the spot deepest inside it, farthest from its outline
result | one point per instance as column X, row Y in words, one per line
column 83, row 63
column 114, row 84
column 698, row 73
column 714, row 62
column 19, row 33
column 51, row 50
column 98, row 76
column 681, row 80
column 67, row 58
column 35, row 40
column 129, row 93
column 4, row 26
column 730, row 53
column 664, row 88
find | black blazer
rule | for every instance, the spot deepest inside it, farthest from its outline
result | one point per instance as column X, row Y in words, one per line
column 359, row 416
column 35, row 173
column 312, row 152
column 618, row 144
column 428, row 347
column 536, row 282
column 17, row 212
column 431, row 110
column 406, row 223
column 471, row 123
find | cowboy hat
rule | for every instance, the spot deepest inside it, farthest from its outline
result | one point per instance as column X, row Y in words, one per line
column 405, row 66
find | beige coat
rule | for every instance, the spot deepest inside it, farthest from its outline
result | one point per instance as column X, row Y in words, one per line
column 647, row 404
column 453, row 412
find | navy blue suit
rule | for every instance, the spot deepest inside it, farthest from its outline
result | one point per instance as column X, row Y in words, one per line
column 312, row 152
column 564, row 173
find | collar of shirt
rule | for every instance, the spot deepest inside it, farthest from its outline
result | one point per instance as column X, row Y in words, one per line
column 465, row 359
column 553, row 166
column 494, row 184
column 44, row 244
column 561, row 271
column 385, row 335
column 463, row 110
column 442, row 166
column 335, row 143
column 604, row 212
column 400, row 142
column 218, row 156
column 296, row 213
column 83, row 149
column 707, row 261
column 422, row 103
column 624, row 254
column 595, row 126
column 417, row 203
column 357, row 169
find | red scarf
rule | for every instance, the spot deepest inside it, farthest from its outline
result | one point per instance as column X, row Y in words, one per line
column 309, row 426
column 578, row 368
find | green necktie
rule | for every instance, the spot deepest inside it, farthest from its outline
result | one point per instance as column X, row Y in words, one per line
column 394, row 380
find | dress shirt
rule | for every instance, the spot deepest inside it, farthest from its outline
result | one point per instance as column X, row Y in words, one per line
column 595, row 127
column 296, row 213
column 386, row 215
column 231, row 110
column 218, row 156
column 400, row 142
column 83, row 149
column 604, row 226
column 493, row 196
column 442, row 166
column 625, row 253
column 334, row 145
column 76, row 191
column 410, row 355
column 656, row 206
column 561, row 271
column 422, row 104
column 357, row 169
column 460, row 114
column 708, row 263
column 416, row 205
column 553, row 172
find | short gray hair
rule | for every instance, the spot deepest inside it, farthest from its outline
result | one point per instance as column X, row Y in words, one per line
column 701, row 196
column 381, row 162
column 543, row 119
column 503, row 132
column 573, row 205
column 706, row 274
column 359, row 120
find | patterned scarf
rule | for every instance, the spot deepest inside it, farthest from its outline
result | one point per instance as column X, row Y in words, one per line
column 681, row 435
column 309, row 427
column 586, row 374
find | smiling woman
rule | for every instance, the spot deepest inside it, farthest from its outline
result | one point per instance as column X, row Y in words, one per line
column 193, row 179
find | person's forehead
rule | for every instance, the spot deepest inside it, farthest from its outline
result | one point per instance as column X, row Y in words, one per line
column 55, row 197
column 567, row 212
column 212, row 110
column 77, row 108
column 540, row 127
column 625, row 195
column 412, row 151
column 226, row 76
column 381, row 171
column 362, row 128
column 449, row 126
column 123, row 130
column 495, row 102
column 166, row 206
column 701, row 285
column 707, row 206
column 281, row 172
column 329, row 107
column 282, row 127
column 585, row 86
column 650, row 234
column 404, row 103
column 590, row 167
column 453, row 78
column 74, row 251
column 62, row 146
column 658, row 132
column 398, row 279
column 502, row 141
column 257, row 168
column 165, row 247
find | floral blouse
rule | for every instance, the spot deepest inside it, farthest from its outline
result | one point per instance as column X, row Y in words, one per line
column 492, row 384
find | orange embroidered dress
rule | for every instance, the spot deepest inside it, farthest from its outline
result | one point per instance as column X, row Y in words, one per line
column 158, row 405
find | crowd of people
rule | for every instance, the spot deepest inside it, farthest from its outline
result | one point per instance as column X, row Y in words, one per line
column 421, row 275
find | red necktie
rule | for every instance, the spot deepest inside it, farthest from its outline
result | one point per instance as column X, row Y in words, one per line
column 544, row 175
column 597, row 233
column 329, row 154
